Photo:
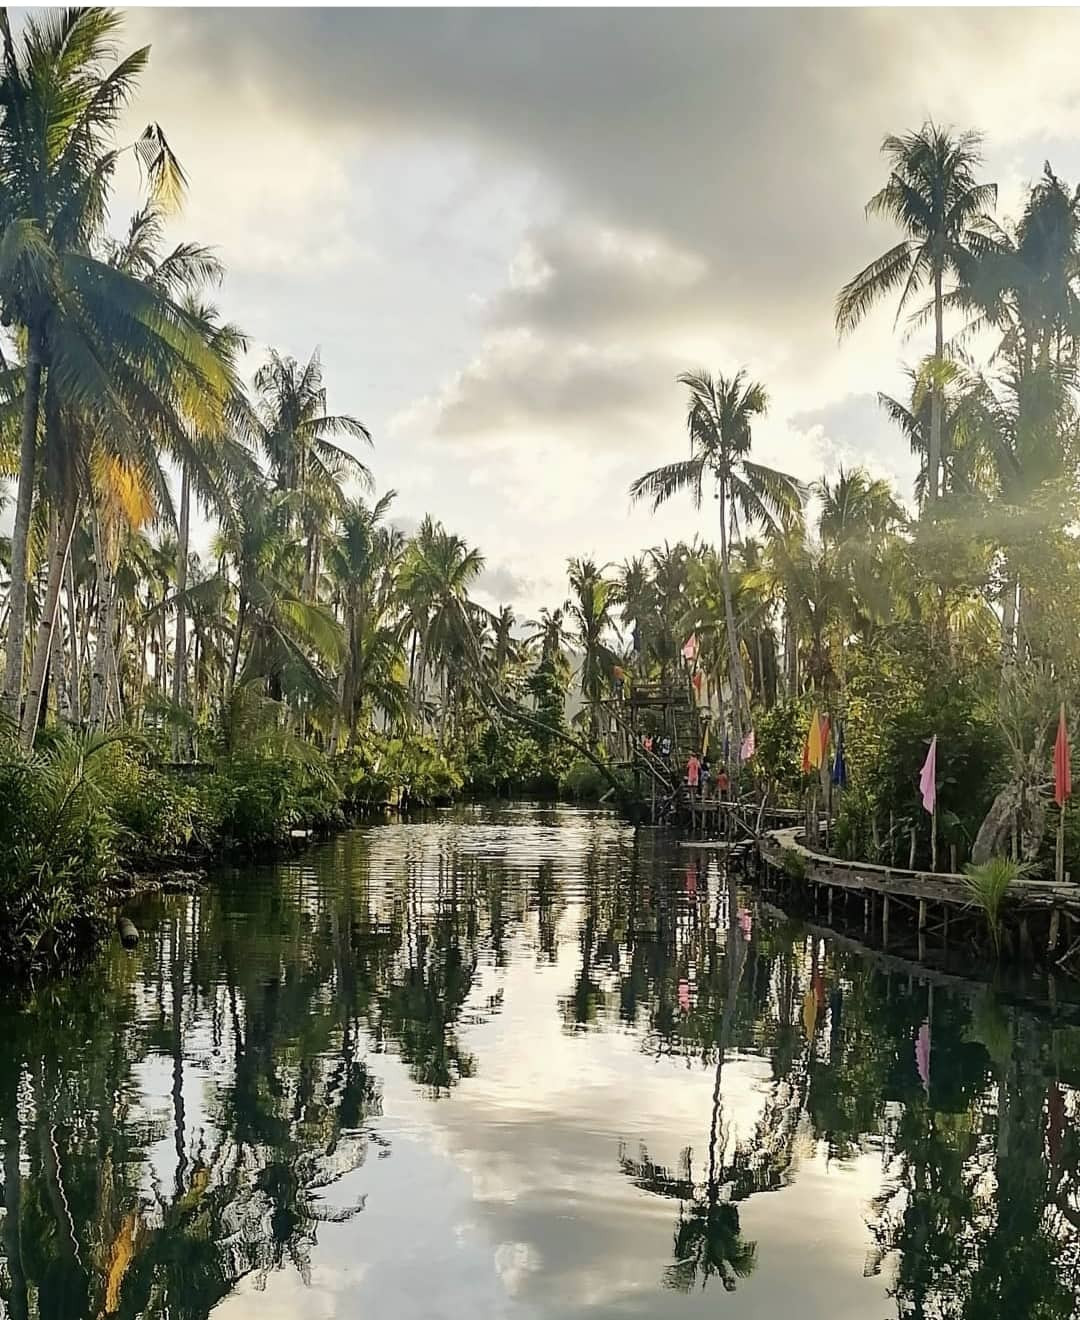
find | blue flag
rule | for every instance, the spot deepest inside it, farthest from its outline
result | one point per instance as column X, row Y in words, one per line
column 839, row 765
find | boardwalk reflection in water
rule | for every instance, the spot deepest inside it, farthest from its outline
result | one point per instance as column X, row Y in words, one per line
column 522, row 1062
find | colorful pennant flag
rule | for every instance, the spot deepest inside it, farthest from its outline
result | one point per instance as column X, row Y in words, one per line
column 690, row 647
column 749, row 746
column 839, row 765
column 814, row 748
column 1062, row 762
column 928, row 777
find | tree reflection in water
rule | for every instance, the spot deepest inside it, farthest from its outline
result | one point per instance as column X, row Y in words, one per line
column 266, row 1006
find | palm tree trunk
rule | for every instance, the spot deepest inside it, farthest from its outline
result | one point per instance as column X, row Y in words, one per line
column 106, row 623
column 60, row 538
column 180, row 738
column 791, row 654
column 20, row 535
column 58, row 673
column 75, row 668
column 234, row 660
column 738, row 692
column 1008, row 628
column 935, row 397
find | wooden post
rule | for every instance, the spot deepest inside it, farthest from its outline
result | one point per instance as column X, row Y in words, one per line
column 911, row 851
column 1059, row 857
column 952, row 858
column 1055, row 927
column 922, row 929
column 892, row 837
column 885, row 921
column 866, row 914
column 830, row 905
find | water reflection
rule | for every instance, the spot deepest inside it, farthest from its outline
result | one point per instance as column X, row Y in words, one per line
column 525, row 1062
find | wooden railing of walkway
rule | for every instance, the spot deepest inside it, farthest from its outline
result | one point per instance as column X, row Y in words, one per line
column 924, row 907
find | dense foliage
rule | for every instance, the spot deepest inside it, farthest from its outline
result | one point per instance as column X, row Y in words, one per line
column 317, row 660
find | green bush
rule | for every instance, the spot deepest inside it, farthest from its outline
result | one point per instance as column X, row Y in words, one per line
column 584, row 782
column 257, row 802
column 162, row 818
column 57, row 846
column 372, row 772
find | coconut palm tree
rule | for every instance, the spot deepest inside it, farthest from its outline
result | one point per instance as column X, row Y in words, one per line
column 719, row 419
column 438, row 570
column 637, row 597
column 933, row 195
column 94, row 336
column 295, row 433
column 590, row 609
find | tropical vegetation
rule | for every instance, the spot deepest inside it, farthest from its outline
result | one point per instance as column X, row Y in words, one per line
column 170, row 695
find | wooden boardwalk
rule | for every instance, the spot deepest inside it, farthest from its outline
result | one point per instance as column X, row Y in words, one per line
column 921, row 910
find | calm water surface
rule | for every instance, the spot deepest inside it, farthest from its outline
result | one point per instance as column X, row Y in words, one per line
column 523, row 1063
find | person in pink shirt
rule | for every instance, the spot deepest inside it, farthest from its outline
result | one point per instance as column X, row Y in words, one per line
column 693, row 771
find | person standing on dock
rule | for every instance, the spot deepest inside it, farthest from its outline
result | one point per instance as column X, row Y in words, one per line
column 693, row 773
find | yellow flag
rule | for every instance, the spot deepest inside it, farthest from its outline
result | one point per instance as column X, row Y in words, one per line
column 815, row 751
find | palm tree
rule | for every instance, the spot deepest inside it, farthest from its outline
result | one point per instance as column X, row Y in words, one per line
column 1025, row 281
column 435, row 578
column 719, row 420
column 355, row 558
column 637, row 596
column 92, row 333
column 933, row 195
column 592, row 601
column 295, row 433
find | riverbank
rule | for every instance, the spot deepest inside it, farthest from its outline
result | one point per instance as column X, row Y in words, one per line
column 91, row 820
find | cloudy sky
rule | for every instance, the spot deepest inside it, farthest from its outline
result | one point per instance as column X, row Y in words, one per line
column 508, row 231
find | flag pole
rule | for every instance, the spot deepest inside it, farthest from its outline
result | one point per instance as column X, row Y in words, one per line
column 933, row 837
column 1059, row 857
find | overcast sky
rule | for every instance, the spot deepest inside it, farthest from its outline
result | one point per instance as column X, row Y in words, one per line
column 508, row 231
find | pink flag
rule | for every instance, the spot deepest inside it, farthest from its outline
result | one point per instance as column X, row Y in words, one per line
column 748, row 747
column 922, row 1055
column 690, row 648
column 928, row 777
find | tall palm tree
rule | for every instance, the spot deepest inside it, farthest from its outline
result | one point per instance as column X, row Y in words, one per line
column 295, row 432
column 933, row 195
column 590, row 608
column 637, row 597
column 435, row 578
column 92, row 333
column 355, row 558
column 719, row 419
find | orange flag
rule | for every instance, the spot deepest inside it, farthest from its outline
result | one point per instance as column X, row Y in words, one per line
column 814, row 748
column 1062, row 766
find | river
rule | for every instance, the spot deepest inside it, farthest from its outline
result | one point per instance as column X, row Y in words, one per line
column 524, row 1062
